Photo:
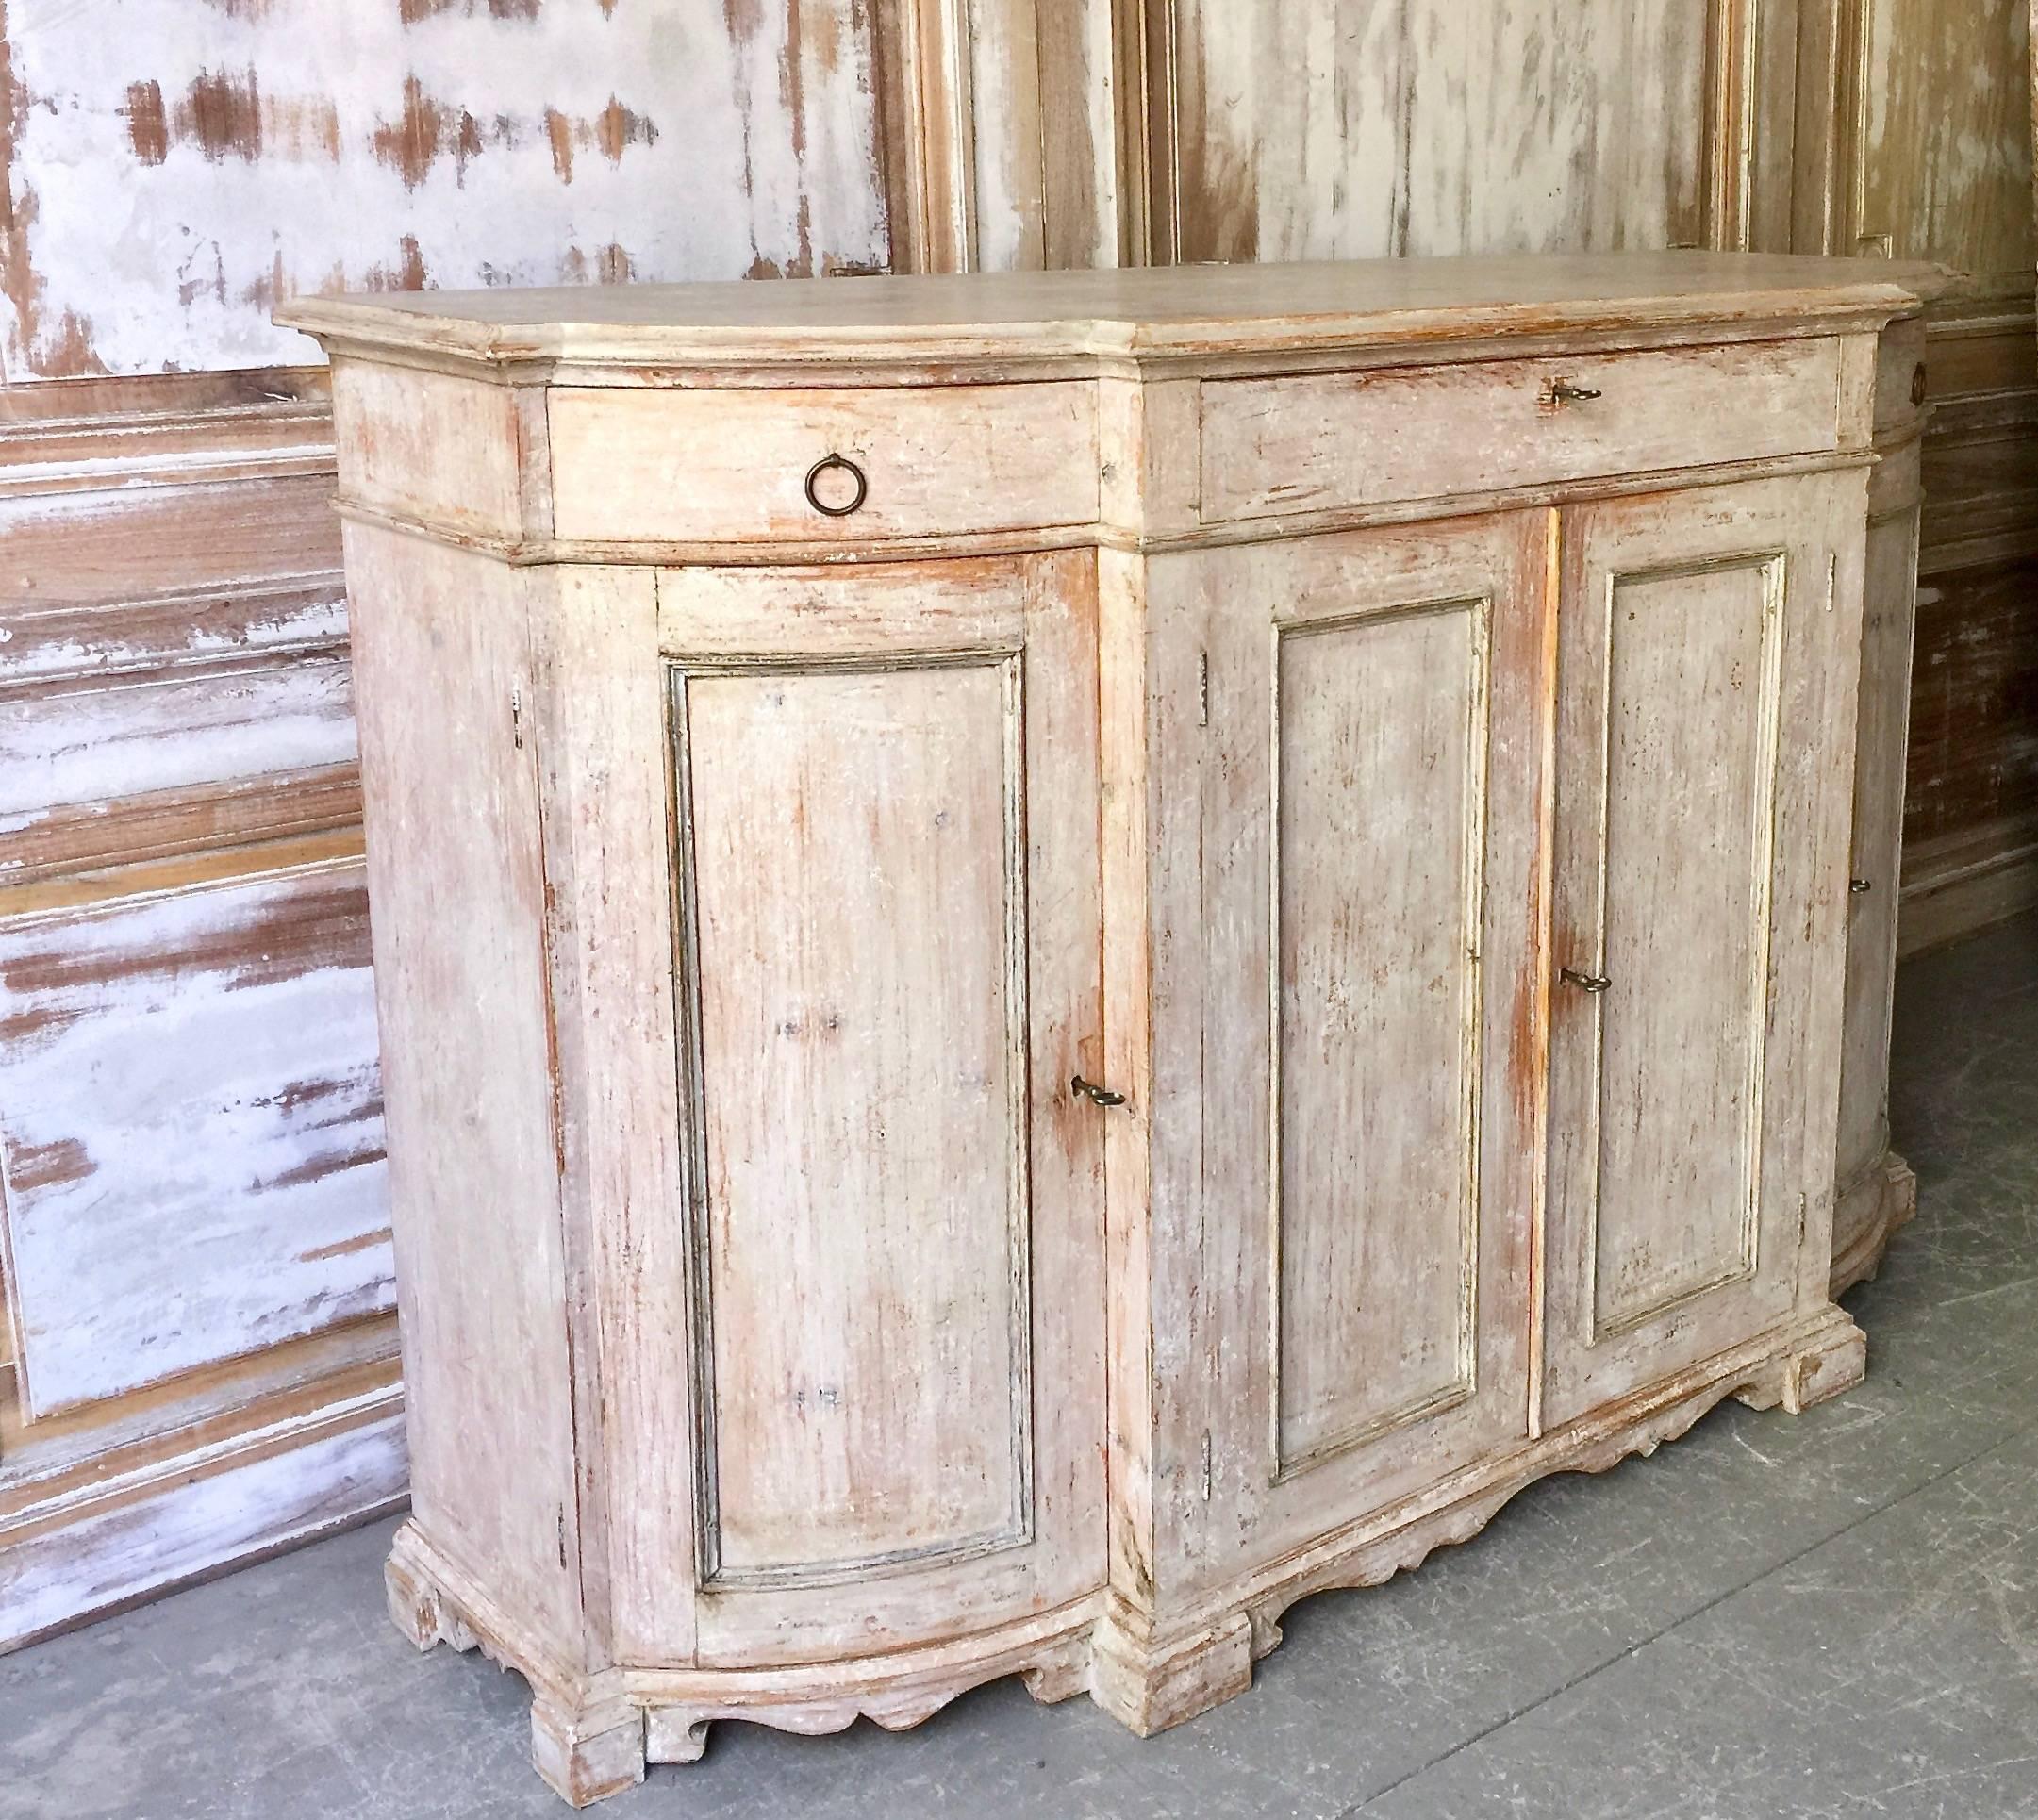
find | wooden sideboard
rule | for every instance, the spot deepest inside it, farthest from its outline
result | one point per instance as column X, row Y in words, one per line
column 1063, row 956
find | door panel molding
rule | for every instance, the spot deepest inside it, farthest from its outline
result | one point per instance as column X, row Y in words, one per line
column 967, row 1235
column 1605, row 1317
column 1468, row 607
column 1754, row 872
column 1299, row 1442
column 1014, row 1528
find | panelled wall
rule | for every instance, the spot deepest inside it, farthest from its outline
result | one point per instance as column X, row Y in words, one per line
column 196, row 1357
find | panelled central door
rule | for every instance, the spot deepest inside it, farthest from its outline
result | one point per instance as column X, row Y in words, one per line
column 884, row 853
column 1362, row 751
column 1704, row 738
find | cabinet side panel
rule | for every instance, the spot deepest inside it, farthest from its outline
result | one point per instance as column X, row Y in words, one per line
column 1689, row 782
column 861, row 1103
column 1382, row 745
column 456, row 912
column 1889, row 615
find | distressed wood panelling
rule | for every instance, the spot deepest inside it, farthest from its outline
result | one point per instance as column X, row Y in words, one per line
column 1045, row 183
column 174, row 621
column 1946, row 167
column 177, row 170
column 175, row 691
column 1349, row 128
column 1974, row 720
column 66, row 747
column 147, row 1533
column 190, row 1120
column 1000, row 129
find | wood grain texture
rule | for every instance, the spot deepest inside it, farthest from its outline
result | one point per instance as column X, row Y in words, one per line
column 183, row 908
column 1420, row 127
column 1288, row 1235
column 1973, row 750
column 175, row 677
column 1967, row 881
column 173, row 176
column 1946, row 162
column 945, row 327
column 1693, row 696
column 888, row 1012
column 1875, row 1190
column 1293, row 444
column 605, row 801
column 1697, row 840
column 927, row 135
column 167, row 629
column 1042, row 134
column 1374, row 989
column 142, row 1537
column 679, row 464
column 433, row 440
column 862, row 1109
column 192, row 1128
column 490, row 1418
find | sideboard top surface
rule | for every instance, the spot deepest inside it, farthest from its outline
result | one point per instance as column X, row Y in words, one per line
column 1128, row 312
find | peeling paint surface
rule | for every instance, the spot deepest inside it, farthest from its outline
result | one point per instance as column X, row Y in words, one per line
column 190, row 1121
column 177, row 166
column 1948, row 166
column 1389, row 127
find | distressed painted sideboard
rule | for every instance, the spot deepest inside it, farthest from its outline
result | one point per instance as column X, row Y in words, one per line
column 1063, row 956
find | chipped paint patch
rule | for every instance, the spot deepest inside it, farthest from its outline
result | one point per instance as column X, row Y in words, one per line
column 224, row 115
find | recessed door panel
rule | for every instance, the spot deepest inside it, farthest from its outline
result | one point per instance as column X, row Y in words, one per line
column 1382, row 734
column 1689, row 787
column 884, row 830
column 1704, row 728
column 859, row 935
column 1348, row 891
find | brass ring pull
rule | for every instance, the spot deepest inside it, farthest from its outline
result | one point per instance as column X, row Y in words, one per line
column 1089, row 1090
column 833, row 461
column 1562, row 393
column 1584, row 981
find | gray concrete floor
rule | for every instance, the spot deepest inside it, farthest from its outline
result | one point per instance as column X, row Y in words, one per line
column 1835, row 1616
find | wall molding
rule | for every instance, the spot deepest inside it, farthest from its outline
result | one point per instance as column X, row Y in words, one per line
column 1781, row 159
column 1964, row 882
column 134, row 1534
column 927, row 133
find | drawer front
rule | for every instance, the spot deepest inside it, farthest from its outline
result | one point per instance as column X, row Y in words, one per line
column 1318, row 443
column 712, row 466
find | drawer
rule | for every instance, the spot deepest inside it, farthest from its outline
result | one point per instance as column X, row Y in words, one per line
column 1318, row 441
column 714, row 466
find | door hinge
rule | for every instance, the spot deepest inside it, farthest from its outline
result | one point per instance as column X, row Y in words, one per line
column 516, row 714
column 1202, row 688
column 1803, row 1216
column 562, row 1535
column 1207, row 1465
